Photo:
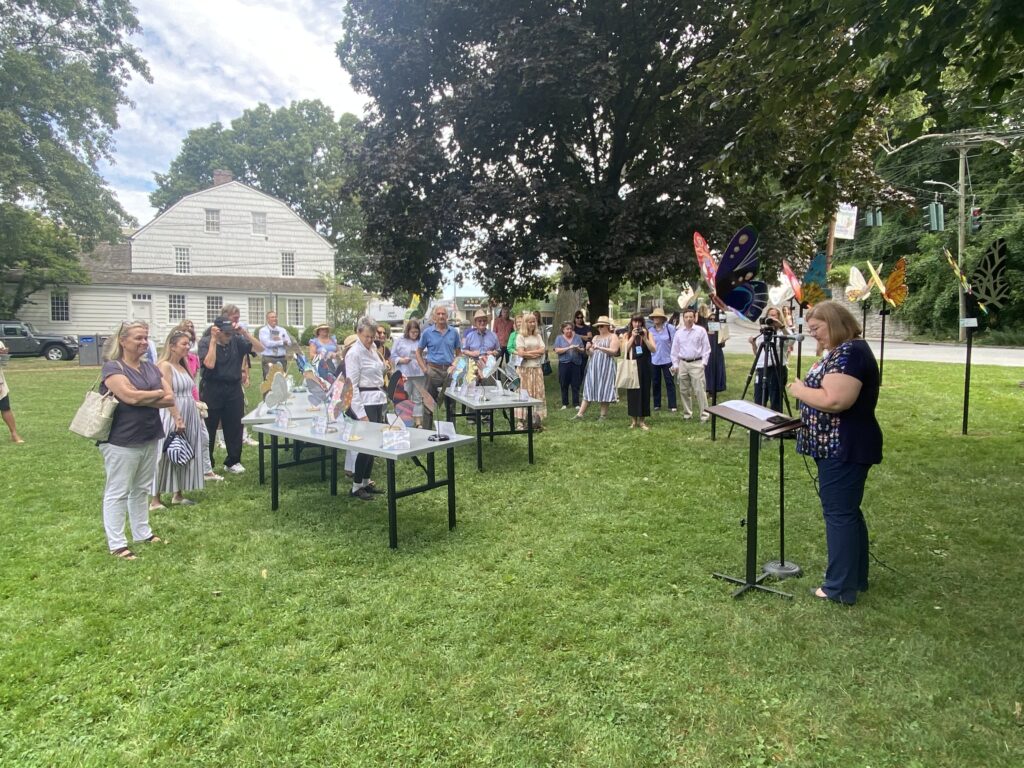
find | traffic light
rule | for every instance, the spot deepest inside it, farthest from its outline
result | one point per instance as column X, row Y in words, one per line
column 975, row 219
column 935, row 217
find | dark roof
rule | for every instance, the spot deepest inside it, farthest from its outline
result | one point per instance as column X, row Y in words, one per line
column 111, row 264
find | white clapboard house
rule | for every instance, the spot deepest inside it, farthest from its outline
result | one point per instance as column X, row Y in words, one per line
column 228, row 244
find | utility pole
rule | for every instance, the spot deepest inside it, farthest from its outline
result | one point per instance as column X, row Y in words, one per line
column 961, row 233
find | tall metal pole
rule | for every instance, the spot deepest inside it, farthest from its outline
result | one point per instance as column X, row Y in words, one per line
column 961, row 238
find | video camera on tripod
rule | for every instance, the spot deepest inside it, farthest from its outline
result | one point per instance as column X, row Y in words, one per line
column 773, row 328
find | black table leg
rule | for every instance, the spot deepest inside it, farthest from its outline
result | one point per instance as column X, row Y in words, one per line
column 450, row 459
column 431, row 474
column 479, row 445
column 323, row 463
column 392, row 511
column 273, row 472
column 261, row 459
column 529, row 432
column 334, row 471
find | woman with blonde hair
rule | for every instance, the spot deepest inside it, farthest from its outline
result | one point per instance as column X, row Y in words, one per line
column 181, row 416
column 130, row 451
column 403, row 353
column 530, row 347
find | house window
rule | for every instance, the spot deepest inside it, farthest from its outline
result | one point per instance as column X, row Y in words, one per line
column 212, row 220
column 288, row 263
column 60, row 307
column 295, row 317
column 257, row 310
column 176, row 307
column 259, row 223
column 142, row 297
column 213, row 305
column 182, row 260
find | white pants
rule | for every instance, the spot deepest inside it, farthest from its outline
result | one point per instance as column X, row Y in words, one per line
column 129, row 481
column 691, row 384
column 205, row 442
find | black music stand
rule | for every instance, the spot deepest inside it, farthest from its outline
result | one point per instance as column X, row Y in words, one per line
column 776, row 426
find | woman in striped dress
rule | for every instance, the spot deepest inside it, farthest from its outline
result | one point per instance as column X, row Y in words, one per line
column 599, row 385
column 183, row 415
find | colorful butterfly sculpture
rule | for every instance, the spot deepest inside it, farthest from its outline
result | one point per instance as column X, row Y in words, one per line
column 794, row 281
column 815, row 283
column 894, row 289
column 490, row 366
column 734, row 280
column 708, row 267
column 340, row 396
column 460, row 370
column 268, row 380
column 858, row 289
column 781, row 293
column 989, row 278
column 962, row 278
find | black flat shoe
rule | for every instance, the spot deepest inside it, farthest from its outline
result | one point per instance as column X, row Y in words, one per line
column 362, row 494
column 372, row 488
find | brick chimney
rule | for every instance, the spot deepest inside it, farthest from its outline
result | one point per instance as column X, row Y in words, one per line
column 220, row 176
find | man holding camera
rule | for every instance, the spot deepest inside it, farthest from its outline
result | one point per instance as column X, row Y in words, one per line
column 223, row 352
column 691, row 350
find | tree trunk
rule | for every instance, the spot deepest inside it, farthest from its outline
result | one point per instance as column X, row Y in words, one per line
column 566, row 303
column 598, row 294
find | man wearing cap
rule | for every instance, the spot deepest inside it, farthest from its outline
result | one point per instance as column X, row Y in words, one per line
column 275, row 341
column 222, row 352
column 436, row 351
column 663, row 333
column 690, row 353
column 478, row 342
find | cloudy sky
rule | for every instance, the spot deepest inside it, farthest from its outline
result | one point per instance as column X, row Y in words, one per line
column 211, row 61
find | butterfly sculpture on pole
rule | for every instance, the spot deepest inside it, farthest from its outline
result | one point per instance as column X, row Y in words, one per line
column 894, row 289
column 858, row 289
column 734, row 278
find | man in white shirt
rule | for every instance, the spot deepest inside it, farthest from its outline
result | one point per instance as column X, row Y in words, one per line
column 690, row 353
column 275, row 341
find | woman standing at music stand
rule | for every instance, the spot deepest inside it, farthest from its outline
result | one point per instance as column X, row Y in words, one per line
column 840, row 432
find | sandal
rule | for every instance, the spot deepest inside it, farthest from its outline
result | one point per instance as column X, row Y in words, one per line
column 645, row 428
column 155, row 507
column 123, row 553
column 154, row 539
column 184, row 502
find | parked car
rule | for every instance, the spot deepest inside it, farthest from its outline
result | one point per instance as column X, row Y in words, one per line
column 22, row 340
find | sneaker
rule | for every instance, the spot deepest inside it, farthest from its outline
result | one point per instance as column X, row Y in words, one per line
column 221, row 444
column 235, row 469
column 673, row 410
column 563, row 407
column 687, row 417
column 657, row 407
column 212, row 476
column 249, row 441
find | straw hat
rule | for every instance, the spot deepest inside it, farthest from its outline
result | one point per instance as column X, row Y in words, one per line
column 322, row 325
column 604, row 320
column 350, row 340
column 478, row 314
column 659, row 312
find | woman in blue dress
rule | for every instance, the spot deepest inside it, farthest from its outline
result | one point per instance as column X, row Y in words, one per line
column 325, row 345
column 599, row 384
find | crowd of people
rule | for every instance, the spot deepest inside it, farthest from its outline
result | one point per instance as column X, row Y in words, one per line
column 158, row 396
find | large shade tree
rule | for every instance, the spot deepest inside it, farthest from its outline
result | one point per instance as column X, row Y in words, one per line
column 64, row 66
column 300, row 154
column 515, row 135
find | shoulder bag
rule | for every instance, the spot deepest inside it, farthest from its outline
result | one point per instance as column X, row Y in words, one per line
column 626, row 375
column 95, row 416
column 178, row 449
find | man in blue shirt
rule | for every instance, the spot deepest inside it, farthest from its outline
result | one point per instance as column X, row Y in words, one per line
column 436, row 353
column 479, row 342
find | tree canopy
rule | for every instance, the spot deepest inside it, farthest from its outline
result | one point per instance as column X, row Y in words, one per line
column 300, row 154
column 514, row 136
column 64, row 65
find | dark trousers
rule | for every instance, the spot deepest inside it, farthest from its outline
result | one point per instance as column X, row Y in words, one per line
column 570, row 375
column 841, row 490
column 225, row 405
column 660, row 372
column 364, row 461
column 767, row 389
column 435, row 380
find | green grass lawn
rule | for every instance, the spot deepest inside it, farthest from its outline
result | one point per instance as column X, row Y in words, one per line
column 570, row 618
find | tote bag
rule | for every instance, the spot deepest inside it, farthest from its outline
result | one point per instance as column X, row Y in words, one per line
column 94, row 416
column 626, row 376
